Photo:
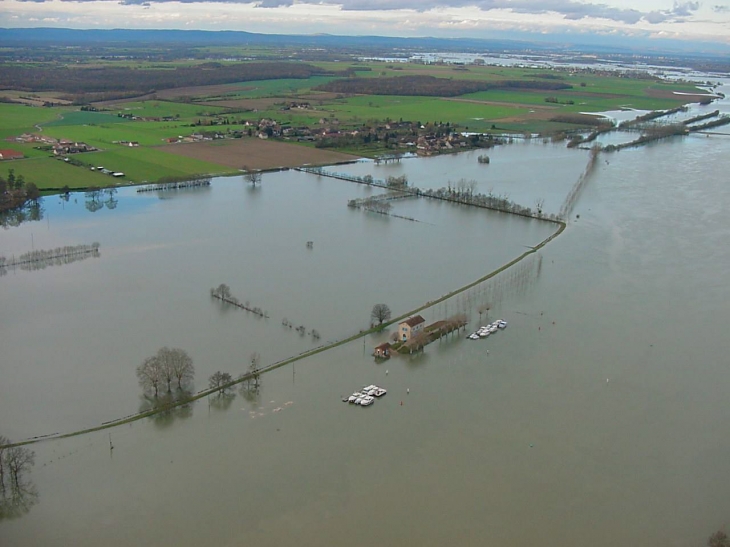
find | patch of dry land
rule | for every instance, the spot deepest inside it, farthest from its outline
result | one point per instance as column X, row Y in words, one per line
column 257, row 154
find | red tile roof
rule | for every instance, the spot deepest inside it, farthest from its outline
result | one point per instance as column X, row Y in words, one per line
column 8, row 154
column 413, row 321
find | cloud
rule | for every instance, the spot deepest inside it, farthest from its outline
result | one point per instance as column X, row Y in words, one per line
column 721, row 9
column 571, row 10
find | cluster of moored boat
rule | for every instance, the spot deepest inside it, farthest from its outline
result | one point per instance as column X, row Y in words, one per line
column 366, row 396
column 486, row 330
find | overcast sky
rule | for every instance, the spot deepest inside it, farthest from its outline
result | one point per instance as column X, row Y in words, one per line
column 655, row 19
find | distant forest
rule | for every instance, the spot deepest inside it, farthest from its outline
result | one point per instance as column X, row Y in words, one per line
column 431, row 86
column 125, row 80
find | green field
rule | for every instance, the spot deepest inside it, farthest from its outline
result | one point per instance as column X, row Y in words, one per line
column 55, row 173
column 138, row 165
column 149, row 164
column 507, row 110
column 16, row 119
column 162, row 109
column 423, row 109
column 79, row 117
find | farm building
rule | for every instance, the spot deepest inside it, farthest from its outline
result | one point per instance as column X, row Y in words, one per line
column 382, row 351
column 8, row 154
column 410, row 327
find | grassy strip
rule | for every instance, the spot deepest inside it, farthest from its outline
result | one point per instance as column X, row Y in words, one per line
column 304, row 355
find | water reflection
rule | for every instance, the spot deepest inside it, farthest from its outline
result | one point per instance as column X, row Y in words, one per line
column 167, row 408
column 98, row 199
column 221, row 400
column 17, row 492
column 487, row 295
column 28, row 213
column 251, row 390
column 41, row 259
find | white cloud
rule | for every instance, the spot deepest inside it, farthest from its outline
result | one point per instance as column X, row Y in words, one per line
column 448, row 18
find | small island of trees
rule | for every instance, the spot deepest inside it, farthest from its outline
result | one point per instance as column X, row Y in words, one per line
column 167, row 369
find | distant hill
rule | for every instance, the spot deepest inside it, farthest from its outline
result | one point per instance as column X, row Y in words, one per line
column 29, row 36
column 624, row 49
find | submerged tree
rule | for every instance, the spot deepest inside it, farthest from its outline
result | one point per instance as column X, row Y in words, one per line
column 17, row 493
column 220, row 381
column 150, row 375
column 223, row 292
column 167, row 366
column 380, row 313
column 718, row 539
column 254, row 177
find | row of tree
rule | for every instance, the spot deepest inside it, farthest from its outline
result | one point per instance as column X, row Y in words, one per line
column 167, row 369
column 432, row 86
column 172, row 369
column 116, row 79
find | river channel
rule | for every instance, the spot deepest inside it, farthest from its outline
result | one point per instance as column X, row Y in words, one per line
column 598, row 416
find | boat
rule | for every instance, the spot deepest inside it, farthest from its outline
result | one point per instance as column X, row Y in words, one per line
column 380, row 392
column 501, row 323
column 367, row 400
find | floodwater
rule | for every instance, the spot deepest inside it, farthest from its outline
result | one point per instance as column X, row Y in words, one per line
column 598, row 416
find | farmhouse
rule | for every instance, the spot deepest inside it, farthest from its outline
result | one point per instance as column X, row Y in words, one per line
column 382, row 351
column 8, row 154
column 410, row 327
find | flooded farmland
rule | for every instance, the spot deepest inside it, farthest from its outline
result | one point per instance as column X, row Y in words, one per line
column 596, row 416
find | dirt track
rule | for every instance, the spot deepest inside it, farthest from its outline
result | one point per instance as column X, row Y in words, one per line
column 257, row 153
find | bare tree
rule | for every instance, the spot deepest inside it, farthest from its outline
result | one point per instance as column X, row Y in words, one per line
column 150, row 374
column 718, row 539
column 380, row 313
column 165, row 367
column 539, row 204
column 176, row 365
column 223, row 292
column 3, row 441
column 17, row 492
column 418, row 341
column 483, row 309
column 254, row 177
column 255, row 362
column 18, row 461
column 221, row 381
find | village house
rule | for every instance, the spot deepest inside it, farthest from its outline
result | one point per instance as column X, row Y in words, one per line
column 71, row 147
column 410, row 327
column 8, row 154
column 382, row 351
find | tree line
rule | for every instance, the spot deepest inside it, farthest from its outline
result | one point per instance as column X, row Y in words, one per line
column 432, row 86
column 142, row 80
column 40, row 259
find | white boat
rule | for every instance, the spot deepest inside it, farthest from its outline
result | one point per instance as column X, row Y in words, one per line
column 380, row 392
column 367, row 400
column 501, row 323
column 484, row 334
